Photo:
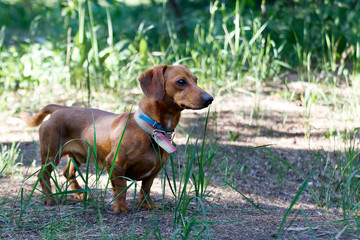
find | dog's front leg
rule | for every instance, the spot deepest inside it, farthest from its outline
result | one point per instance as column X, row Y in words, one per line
column 119, row 188
column 145, row 198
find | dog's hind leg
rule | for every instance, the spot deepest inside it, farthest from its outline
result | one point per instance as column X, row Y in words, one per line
column 49, row 159
column 70, row 174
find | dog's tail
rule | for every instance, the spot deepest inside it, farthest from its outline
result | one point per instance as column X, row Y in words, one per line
column 38, row 118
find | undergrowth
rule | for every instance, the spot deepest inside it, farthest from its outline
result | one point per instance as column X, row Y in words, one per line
column 10, row 159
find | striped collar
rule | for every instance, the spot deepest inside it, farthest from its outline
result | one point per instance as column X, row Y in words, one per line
column 161, row 135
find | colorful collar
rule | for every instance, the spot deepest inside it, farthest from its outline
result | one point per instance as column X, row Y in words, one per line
column 161, row 135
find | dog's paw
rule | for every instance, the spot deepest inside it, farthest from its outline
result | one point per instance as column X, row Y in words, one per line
column 80, row 196
column 48, row 201
column 120, row 208
column 147, row 206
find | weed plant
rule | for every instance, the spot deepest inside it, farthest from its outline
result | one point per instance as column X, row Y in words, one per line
column 232, row 44
column 10, row 159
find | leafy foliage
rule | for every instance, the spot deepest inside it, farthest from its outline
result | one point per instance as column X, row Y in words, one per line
column 226, row 43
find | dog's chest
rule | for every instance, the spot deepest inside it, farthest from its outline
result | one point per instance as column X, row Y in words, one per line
column 147, row 166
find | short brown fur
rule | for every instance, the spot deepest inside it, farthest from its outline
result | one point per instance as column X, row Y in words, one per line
column 164, row 99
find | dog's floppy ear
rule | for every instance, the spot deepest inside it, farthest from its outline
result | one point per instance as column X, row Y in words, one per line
column 152, row 82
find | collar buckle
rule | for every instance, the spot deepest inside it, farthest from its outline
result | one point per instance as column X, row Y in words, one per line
column 168, row 135
column 171, row 136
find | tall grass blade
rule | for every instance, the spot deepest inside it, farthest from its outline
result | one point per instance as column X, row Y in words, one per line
column 346, row 192
column 237, row 25
column 2, row 35
column 296, row 170
column 199, row 200
column 258, row 33
column 94, row 42
column 81, row 12
column 302, row 188
column 115, row 156
column 247, row 199
column 110, row 27
column 309, row 224
column 31, row 193
column 88, row 86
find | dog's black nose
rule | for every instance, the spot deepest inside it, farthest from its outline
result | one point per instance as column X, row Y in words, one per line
column 208, row 99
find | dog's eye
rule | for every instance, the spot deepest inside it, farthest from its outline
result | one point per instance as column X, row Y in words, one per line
column 181, row 82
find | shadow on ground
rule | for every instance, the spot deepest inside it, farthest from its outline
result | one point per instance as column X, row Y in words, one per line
column 266, row 176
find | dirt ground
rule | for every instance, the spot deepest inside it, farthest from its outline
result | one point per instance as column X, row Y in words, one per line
column 264, row 180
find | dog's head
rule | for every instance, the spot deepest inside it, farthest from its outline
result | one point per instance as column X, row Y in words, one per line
column 174, row 84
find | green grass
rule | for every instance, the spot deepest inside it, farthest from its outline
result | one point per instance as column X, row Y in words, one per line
column 189, row 186
column 10, row 159
column 238, row 42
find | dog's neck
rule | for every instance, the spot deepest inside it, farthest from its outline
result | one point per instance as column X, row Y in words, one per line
column 161, row 112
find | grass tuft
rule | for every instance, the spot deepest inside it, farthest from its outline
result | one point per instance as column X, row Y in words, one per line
column 10, row 159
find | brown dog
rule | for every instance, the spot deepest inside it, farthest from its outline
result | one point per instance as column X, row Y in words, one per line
column 167, row 91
